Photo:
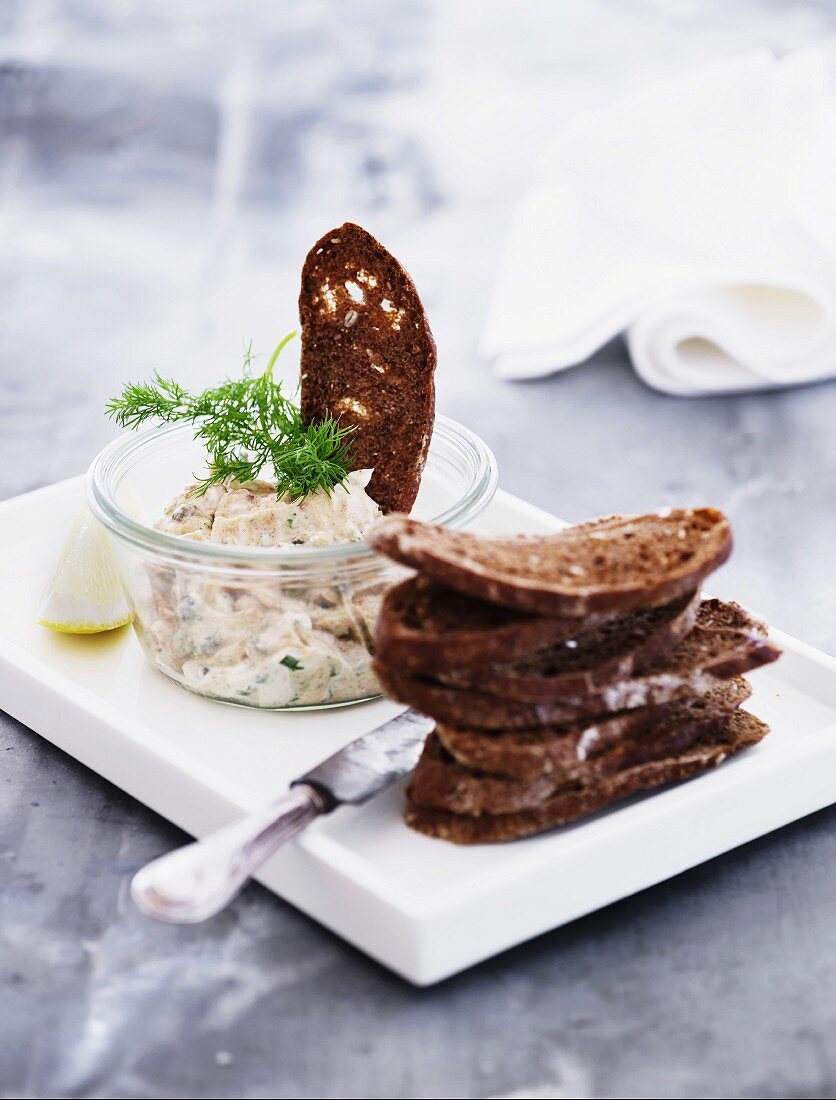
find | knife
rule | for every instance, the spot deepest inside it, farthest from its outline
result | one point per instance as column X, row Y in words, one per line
column 195, row 882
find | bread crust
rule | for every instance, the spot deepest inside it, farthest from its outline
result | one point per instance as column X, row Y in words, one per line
column 368, row 359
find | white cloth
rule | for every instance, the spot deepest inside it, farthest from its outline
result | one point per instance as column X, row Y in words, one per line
column 699, row 216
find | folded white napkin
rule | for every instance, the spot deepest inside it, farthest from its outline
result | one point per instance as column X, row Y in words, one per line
column 699, row 215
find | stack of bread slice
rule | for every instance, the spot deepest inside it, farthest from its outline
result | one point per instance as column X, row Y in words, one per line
column 563, row 671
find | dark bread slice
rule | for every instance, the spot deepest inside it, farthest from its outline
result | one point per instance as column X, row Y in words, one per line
column 726, row 641
column 739, row 731
column 368, row 359
column 567, row 750
column 589, row 660
column 425, row 627
column 476, row 709
column 612, row 564
column 440, row 782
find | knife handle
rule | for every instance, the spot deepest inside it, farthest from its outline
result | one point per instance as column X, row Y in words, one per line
column 195, row 882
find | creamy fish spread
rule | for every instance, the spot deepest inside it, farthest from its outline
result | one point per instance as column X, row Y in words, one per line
column 265, row 640
column 252, row 515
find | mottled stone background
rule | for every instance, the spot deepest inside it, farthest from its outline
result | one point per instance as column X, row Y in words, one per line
column 164, row 166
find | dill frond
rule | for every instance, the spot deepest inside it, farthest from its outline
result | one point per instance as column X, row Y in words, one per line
column 247, row 425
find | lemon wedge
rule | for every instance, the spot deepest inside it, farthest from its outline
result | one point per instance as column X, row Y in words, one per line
column 85, row 595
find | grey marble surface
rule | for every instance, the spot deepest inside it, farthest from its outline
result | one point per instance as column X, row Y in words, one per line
column 163, row 168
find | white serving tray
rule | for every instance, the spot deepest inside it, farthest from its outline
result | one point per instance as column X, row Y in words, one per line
column 423, row 907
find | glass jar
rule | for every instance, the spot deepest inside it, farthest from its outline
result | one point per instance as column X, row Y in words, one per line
column 279, row 628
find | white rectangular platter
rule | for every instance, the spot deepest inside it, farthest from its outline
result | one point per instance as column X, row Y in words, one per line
column 423, row 907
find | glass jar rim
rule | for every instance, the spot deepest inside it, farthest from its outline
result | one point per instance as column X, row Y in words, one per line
column 112, row 459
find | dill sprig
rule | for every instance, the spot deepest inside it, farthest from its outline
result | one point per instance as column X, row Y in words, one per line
column 247, row 425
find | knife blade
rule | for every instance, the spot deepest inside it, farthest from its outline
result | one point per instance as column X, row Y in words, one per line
column 372, row 762
column 198, row 880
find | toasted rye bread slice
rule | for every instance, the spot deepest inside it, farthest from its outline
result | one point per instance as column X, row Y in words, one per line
column 739, row 731
column 590, row 660
column 440, row 782
column 443, row 782
column 368, row 359
column 426, row 627
column 726, row 641
column 612, row 564
column 566, row 751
